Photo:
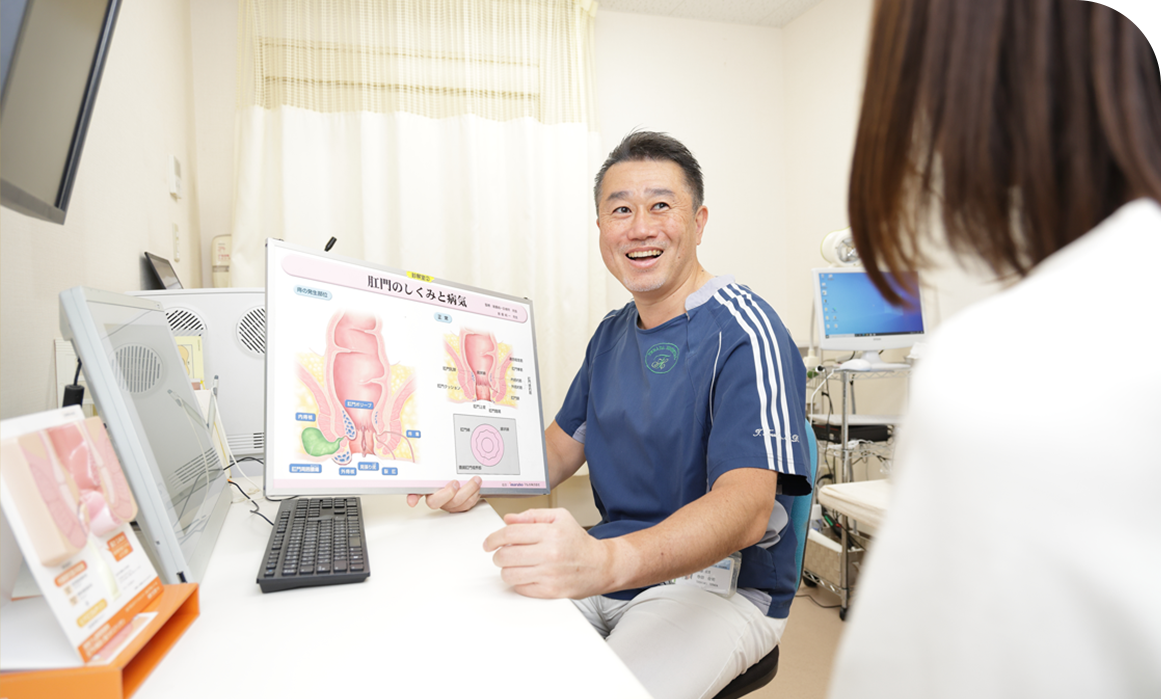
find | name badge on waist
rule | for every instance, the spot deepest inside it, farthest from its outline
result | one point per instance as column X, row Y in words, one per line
column 721, row 578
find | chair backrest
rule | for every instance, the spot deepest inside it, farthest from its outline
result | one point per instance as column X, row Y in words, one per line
column 800, row 508
column 761, row 673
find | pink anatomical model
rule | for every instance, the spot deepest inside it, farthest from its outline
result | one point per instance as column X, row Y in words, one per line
column 88, row 456
column 68, row 483
column 357, row 403
column 478, row 367
column 58, row 492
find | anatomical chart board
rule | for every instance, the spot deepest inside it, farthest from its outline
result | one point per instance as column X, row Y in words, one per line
column 383, row 381
column 69, row 506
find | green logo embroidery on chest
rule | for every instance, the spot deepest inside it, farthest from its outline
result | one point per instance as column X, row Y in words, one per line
column 661, row 358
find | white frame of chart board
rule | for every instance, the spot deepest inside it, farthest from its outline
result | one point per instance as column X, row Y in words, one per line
column 337, row 320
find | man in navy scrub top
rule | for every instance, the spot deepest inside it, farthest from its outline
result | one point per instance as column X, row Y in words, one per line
column 689, row 409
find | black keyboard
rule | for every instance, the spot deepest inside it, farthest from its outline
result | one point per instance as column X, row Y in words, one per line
column 316, row 541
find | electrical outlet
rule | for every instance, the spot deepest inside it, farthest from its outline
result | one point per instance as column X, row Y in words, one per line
column 176, row 243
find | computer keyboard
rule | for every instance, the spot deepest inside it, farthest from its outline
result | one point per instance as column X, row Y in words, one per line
column 316, row 541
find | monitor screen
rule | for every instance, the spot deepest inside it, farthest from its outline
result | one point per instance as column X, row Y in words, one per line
column 384, row 381
column 53, row 55
column 851, row 314
column 165, row 444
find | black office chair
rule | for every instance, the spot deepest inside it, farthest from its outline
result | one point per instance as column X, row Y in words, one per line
column 762, row 672
column 759, row 675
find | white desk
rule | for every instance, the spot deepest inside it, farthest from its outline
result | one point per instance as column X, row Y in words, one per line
column 434, row 620
column 863, row 501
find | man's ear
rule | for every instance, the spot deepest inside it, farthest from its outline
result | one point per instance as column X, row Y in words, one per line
column 700, row 218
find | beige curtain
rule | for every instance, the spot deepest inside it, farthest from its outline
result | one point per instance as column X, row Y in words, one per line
column 496, row 59
column 455, row 138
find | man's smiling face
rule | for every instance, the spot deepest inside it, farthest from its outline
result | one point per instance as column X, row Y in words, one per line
column 649, row 228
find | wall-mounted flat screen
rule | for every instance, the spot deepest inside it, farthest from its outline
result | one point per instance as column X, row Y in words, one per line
column 52, row 54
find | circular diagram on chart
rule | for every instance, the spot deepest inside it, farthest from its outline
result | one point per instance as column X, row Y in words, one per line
column 487, row 445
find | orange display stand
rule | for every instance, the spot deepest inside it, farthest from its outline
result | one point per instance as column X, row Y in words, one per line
column 176, row 609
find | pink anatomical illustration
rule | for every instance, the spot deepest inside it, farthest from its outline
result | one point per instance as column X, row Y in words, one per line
column 68, row 484
column 481, row 367
column 487, row 445
column 362, row 395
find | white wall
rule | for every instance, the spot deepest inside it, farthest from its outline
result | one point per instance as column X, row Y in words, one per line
column 120, row 206
column 214, row 32
column 718, row 89
column 825, row 61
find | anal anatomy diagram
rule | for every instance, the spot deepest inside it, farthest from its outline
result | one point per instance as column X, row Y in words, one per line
column 361, row 398
column 482, row 367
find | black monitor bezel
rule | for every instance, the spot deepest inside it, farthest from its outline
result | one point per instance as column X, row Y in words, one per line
column 18, row 199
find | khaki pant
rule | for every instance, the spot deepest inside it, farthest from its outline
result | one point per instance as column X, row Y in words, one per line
column 681, row 641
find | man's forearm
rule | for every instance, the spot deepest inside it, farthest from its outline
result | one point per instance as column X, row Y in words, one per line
column 729, row 518
column 545, row 553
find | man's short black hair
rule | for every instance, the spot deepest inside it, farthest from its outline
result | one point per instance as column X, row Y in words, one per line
column 653, row 145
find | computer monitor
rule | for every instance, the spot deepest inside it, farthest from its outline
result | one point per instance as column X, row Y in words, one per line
column 140, row 387
column 851, row 315
column 384, row 381
column 163, row 272
column 53, row 53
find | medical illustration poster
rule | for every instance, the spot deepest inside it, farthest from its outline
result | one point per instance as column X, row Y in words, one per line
column 70, row 507
column 379, row 380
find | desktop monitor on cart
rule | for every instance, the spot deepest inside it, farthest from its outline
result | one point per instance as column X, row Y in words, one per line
column 852, row 316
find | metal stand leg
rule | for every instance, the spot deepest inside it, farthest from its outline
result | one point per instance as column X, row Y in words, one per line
column 846, row 477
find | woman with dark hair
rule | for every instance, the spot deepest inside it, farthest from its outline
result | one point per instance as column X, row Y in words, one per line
column 1019, row 556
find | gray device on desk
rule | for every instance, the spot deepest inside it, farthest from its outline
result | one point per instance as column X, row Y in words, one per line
column 232, row 325
column 141, row 390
